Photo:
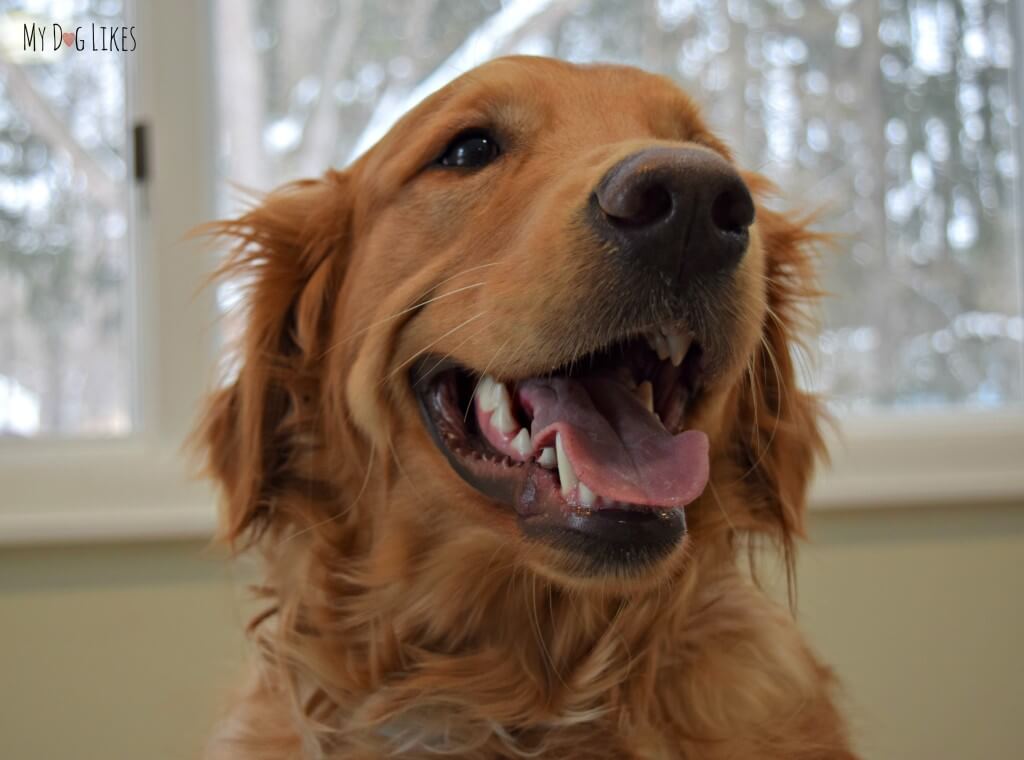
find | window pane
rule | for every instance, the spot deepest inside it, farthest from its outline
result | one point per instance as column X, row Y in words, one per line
column 896, row 117
column 65, row 226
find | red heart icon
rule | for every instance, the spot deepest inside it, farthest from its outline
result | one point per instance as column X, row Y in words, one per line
column 69, row 39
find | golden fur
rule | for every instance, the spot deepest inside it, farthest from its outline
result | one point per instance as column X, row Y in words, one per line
column 407, row 617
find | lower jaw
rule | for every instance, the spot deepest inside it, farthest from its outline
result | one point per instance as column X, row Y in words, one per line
column 622, row 539
column 610, row 541
column 592, row 532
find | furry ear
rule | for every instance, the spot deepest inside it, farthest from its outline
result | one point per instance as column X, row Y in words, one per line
column 779, row 423
column 290, row 256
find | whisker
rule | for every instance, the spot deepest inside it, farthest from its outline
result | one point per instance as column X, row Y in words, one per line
column 343, row 512
column 430, row 345
column 481, row 376
column 778, row 320
column 404, row 311
column 753, row 391
column 455, row 348
column 771, row 438
column 801, row 352
column 463, row 272
column 721, row 507
column 513, row 359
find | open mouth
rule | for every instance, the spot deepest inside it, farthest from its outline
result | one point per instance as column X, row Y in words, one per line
column 597, row 448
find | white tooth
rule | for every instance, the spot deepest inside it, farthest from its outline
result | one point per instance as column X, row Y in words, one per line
column 500, row 395
column 587, row 497
column 502, row 418
column 522, row 444
column 678, row 344
column 485, row 393
column 645, row 391
column 547, row 458
column 565, row 471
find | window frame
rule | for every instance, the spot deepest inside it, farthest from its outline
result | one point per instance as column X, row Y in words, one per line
column 141, row 487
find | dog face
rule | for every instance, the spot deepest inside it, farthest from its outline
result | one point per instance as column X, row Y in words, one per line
column 543, row 312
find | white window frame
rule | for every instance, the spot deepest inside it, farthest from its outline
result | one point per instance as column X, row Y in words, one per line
column 140, row 487
column 54, row 490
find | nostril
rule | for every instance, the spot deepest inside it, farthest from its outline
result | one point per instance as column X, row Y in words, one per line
column 638, row 205
column 652, row 203
column 682, row 212
column 733, row 209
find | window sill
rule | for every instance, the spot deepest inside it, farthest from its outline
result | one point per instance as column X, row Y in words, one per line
column 924, row 459
column 73, row 492
column 124, row 491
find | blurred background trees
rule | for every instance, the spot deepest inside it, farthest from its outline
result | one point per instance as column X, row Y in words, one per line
column 64, row 246
column 896, row 117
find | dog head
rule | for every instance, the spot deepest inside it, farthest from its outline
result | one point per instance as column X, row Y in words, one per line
column 545, row 317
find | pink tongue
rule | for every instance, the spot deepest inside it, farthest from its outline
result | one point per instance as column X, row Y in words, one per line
column 618, row 448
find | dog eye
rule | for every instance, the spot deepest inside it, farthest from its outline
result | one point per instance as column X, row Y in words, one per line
column 470, row 150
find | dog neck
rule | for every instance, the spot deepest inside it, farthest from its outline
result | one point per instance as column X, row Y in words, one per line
column 403, row 648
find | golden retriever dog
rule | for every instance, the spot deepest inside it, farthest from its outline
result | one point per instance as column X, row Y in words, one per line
column 514, row 405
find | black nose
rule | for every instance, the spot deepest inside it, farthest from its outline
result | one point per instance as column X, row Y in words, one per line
column 681, row 211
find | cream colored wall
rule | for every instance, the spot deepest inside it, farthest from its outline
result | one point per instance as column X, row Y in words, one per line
column 124, row 651
column 922, row 614
column 117, row 652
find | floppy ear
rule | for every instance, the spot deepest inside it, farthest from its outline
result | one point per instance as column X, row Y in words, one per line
column 289, row 257
column 779, row 423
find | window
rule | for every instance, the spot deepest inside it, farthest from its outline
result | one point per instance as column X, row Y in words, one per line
column 139, row 329
column 900, row 118
column 65, row 226
column 897, row 117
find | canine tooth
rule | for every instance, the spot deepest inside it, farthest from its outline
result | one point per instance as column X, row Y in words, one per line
column 485, row 393
column 547, row 459
column 565, row 471
column 587, row 497
column 645, row 392
column 678, row 344
column 502, row 419
column 500, row 394
column 501, row 411
column 522, row 443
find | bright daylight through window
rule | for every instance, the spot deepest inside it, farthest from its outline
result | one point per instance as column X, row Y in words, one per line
column 873, row 110
column 897, row 117
column 66, row 364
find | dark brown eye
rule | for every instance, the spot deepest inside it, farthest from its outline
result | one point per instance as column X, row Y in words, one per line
column 470, row 150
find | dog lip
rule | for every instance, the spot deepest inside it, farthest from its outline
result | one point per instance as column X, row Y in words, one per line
column 616, row 533
column 424, row 375
column 610, row 540
column 461, row 425
column 426, row 369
